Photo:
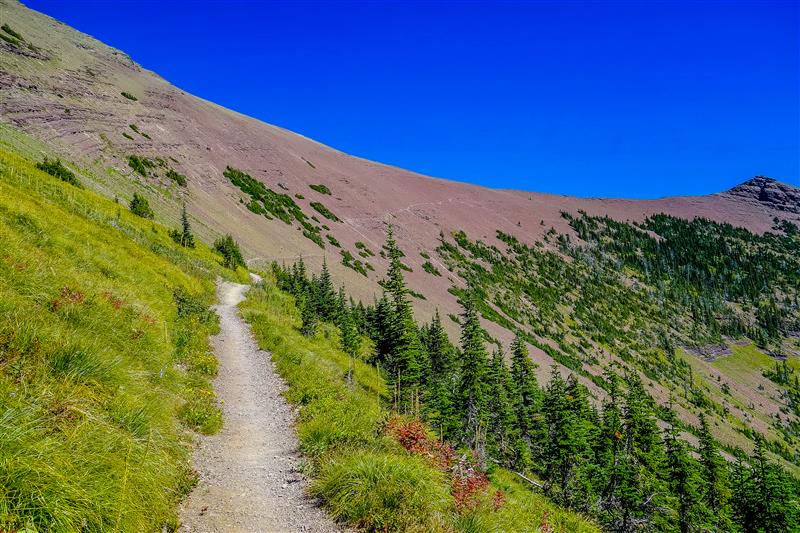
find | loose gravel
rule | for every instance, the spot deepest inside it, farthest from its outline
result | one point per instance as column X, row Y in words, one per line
column 249, row 473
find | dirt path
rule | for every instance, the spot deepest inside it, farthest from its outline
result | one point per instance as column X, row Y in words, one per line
column 249, row 478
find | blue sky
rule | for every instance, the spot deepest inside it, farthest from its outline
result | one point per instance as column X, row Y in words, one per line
column 635, row 99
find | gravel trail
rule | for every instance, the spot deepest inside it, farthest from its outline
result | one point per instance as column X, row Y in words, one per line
column 249, row 478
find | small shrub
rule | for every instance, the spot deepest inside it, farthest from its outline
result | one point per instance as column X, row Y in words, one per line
column 428, row 267
column 322, row 189
column 124, row 134
column 6, row 28
column 140, row 206
column 231, row 254
column 384, row 492
column 129, row 96
column 56, row 169
column 332, row 240
column 324, row 211
column 140, row 165
column 180, row 179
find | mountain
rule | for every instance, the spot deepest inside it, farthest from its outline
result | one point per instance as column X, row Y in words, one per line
column 770, row 193
column 124, row 129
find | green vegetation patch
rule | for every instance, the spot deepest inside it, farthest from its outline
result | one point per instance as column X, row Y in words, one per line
column 54, row 167
column 129, row 96
column 322, row 189
column 428, row 267
column 263, row 199
column 324, row 211
column 351, row 262
column 363, row 250
column 141, row 165
column 178, row 178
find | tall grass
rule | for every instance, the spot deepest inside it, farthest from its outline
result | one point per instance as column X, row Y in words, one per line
column 96, row 365
column 364, row 477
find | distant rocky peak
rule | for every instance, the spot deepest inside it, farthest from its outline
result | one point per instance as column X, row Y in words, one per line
column 770, row 192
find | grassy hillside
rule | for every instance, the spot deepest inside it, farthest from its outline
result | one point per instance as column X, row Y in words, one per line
column 104, row 359
column 362, row 472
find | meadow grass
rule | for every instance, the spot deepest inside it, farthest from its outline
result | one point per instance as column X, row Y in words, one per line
column 365, row 478
column 101, row 372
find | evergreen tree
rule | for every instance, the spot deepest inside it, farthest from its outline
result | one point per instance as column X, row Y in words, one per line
column 765, row 497
column 714, row 474
column 140, row 206
column 566, row 447
column 683, row 480
column 231, row 255
column 308, row 316
column 402, row 368
column 639, row 494
column 326, row 299
column 441, row 385
column 526, row 401
column 350, row 339
column 184, row 237
column 501, row 424
column 471, row 402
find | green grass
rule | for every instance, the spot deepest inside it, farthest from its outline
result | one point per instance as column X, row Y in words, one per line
column 365, row 478
column 102, row 372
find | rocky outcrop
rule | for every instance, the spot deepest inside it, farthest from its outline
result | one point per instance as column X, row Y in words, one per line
column 770, row 192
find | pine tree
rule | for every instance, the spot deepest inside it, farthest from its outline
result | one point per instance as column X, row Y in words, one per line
column 231, row 255
column 640, row 493
column 764, row 496
column 683, row 479
column 501, row 424
column 714, row 474
column 566, row 448
column 184, row 237
column 350, row 339
column 526, row 399
column 326, row 299
column 140, row 206
column 308, row 316
column 402, row 366
column 471, row 402
column 443, row 378
column 187, row 238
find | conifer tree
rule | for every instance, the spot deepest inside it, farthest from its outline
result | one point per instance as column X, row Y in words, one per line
column 683, row 480
column 308, row 316
column 140, row 206
column 566, row 447
column 640, row 490
column 187, row 238
column 714, row 475
column 350, row 339
column 443, row 378
column 501, row 424
column 526, row 400
column 471, row 401
column 403, row 370
column 326, row 299
column 184, row 237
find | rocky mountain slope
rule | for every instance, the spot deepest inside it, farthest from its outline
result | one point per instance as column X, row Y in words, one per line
column 124, row 130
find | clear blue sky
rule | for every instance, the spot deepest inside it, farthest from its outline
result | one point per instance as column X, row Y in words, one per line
column 637, row 99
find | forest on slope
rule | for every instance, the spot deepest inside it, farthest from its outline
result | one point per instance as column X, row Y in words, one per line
column 623, row 459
